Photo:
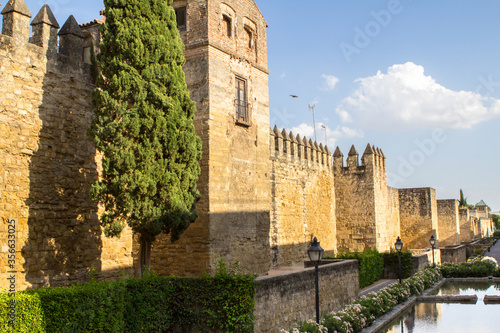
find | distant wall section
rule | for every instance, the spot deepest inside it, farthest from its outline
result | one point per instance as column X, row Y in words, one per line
column 448, row 222
column 418, row 216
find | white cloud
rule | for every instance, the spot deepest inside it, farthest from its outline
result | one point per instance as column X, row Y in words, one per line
column 331, row 134
column 282, row 75
column 406, row 98
column 330, row 82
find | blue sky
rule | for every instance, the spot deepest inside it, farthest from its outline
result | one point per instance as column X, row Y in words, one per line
column 418, row 78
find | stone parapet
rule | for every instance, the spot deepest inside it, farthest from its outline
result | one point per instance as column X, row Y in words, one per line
column 453, row 254
column 285, row 299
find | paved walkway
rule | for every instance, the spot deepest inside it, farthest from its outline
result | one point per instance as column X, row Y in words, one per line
column 380, row 284
column 494, row 252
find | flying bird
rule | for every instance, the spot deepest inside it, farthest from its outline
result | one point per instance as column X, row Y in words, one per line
column 294, row 96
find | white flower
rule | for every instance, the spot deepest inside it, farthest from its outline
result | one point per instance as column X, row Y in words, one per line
column 493, row 260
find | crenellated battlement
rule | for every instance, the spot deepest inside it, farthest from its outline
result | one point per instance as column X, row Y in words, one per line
column 48, row 39
column 372, row 159
column 290, row 147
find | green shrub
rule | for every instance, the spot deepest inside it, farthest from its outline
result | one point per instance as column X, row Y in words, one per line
column 371, row 265
column 223, row 303
column 478, row 251
column 478, row 267
column 496, row 234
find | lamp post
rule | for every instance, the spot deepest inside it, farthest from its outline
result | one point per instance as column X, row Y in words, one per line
column 433, row 242
column 311, row 106
column 399, row 247
column 315, row 253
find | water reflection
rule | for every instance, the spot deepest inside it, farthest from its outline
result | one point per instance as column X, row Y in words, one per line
column 456, row 318
column 469, row 288
column 418, row 317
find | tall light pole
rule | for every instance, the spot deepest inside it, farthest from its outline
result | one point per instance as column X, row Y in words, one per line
column 311, row 106
column 433, row 242
column 399, row 246
column 315, row 253
column 326, row 140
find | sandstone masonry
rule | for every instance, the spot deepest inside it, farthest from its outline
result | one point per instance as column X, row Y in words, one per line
column 266, row 192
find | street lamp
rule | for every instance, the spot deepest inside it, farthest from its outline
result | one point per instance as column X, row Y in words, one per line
column 311, row 106
column 433, row 242
column 399, row 247
column 315, row 253
column 326, row 139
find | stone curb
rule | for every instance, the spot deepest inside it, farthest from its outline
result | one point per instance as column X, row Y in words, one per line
column 464, row 299
column 380, row 322
column 396, row 311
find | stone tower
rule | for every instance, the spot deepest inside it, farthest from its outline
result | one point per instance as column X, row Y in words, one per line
column 367, row 210
column 227, row 76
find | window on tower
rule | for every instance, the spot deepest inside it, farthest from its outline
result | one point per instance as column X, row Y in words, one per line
column 180, row 14
column 241, row 101
column 226, row 25
column 248, row 37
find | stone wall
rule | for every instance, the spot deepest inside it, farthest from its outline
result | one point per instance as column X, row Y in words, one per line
column 464, row 220
column 418, row 216
column 234, row 221
column 283, row 300
column 46, row 161
column 448, row 222
column 303, row 203
column 354, row 201
column 486, row 227
column 454, row 254
column 367, row 210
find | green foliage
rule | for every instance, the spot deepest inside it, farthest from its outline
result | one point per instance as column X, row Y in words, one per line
column 143, row 123
column 363, row 312
column 391, row 261
column 478, row 267
column 150, row 304
column 496, row 220
column 28, row 316
column 371, row 265
column 478, row 251
column 463, row 201
column 496, row 234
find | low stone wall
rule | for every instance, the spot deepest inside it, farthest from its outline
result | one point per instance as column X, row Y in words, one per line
column 455, row 254
column 284, row 299
column 421, row 261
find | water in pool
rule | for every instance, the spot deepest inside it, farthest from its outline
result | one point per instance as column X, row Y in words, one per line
column 455, row 318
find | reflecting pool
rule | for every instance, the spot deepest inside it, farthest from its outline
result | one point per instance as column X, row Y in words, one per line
column 456, row 318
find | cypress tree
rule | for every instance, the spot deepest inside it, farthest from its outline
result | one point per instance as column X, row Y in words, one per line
column 463, row 201
column 143, row 124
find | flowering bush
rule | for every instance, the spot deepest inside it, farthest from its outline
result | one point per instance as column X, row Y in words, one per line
column 493, row 260
column 477, row 267
column 363, row 312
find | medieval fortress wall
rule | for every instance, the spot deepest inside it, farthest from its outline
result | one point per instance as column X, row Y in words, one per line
column 302, row 198
column 266, row 192
column 47, row 163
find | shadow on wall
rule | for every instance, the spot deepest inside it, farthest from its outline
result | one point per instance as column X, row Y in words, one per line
column 243, row 237
column 64, row 240
column 294, row 254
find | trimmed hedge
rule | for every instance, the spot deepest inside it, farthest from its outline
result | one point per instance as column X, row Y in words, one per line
column 152, row 304
column 371, row 265
column 391, row 260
